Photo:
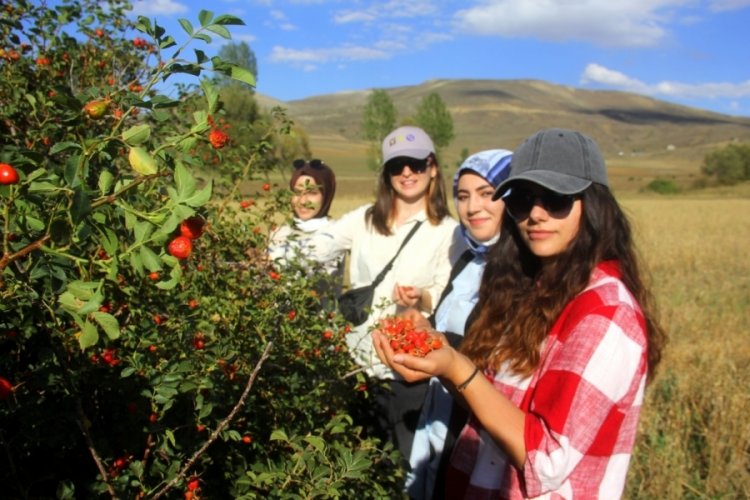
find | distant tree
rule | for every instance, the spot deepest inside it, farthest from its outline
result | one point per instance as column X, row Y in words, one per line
column 729, row 165
column 462, row 157
column 434, row 118
column 379, row 116
column 378, row 120
column 242, row 55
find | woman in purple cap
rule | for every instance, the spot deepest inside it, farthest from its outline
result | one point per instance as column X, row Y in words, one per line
column 554, row 368
column 410, row 209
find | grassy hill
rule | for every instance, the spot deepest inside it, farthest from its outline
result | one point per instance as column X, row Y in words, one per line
column 641, row 137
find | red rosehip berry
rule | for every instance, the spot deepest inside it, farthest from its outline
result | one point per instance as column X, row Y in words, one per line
column 180, row 247
column 8, row 174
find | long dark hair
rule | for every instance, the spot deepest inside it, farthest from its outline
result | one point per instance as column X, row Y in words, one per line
column 519, row 299
column 381, row 212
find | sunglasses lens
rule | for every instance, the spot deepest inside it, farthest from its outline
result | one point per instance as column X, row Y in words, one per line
column 557, row 204
column 397, row 166
column 519, row 203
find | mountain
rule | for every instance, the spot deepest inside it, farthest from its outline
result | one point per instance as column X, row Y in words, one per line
column 641, row 137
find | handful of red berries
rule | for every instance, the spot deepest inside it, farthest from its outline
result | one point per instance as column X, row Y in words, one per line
column 405, row 338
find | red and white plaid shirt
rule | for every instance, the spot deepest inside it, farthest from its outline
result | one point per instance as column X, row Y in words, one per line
column 582, row 406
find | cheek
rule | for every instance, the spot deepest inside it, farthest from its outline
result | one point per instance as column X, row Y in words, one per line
column 462, row 208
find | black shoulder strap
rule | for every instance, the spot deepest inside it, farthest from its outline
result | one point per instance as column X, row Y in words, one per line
column 388, row 266
column 459, row 266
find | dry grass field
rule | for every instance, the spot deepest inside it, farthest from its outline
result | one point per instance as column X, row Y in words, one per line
column 695, row 439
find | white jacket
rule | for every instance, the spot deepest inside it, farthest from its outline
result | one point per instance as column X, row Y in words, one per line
column 424, row 262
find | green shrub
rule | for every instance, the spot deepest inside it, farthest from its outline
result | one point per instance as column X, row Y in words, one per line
column 663, row 186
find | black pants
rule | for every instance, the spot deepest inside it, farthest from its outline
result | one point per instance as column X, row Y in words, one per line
column 400, row 404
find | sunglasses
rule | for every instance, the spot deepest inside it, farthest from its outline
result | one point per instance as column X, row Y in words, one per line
column 315, row 164
column 396, row 166
column 519, row 202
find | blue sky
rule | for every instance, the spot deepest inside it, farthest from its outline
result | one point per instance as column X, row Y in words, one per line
column 691, row 52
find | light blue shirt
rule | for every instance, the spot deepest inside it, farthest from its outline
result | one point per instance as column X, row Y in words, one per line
column 432, row 428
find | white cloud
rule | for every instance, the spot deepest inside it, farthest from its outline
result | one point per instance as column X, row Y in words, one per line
column 392, row 9
column 317, row 56
column 243, row 38
column 156, row 7
column 623, row 23
column 347, row 17
column 597, row 74
column 727, row 5
column 278, row 15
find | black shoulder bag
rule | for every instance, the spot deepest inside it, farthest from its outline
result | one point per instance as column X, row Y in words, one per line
column 355, row 304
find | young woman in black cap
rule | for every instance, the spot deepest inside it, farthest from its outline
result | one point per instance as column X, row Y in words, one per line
column 553, row 369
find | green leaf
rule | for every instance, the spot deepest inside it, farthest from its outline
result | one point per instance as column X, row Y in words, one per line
column 44, row 186
column 135, row 262
column 219, row 30
column 316, row 442
column 137, row 135
column 187, row 144
column 69, row 302
column 204, row 37
column 89, row 336
column 184, row 182
column 170, row 437
column 83, row 290
column 243, row 75
column 205, row 17
column 175, row 276
column 142, row 162
column 186, row 25
column 127, row 372
column 142, row 230
column 63, row 146
column 167, row 42
column 92, row 305
column 150, row 259
column 106, row 179
column 279, row 435
column 81, row 206
column 205, row 411
column 212, row 95
column 190, row 69
column 109, row 324
column 229, row 20
column 201, row 197
column 200, row 56
column 144, row 25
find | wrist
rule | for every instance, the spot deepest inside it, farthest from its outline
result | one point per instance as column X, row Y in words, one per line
column 462, row 369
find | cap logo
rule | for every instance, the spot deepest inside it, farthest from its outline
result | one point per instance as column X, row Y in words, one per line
column 400, row 138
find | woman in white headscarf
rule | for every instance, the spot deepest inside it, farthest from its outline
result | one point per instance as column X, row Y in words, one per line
column 481, row 217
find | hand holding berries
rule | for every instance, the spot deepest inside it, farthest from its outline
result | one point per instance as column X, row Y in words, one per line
column 405, row 338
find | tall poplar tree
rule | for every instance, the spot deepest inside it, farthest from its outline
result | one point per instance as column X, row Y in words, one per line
column 434, row 118
column 378, row 120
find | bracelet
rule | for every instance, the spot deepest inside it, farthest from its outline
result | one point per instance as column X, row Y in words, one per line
column 463, row 386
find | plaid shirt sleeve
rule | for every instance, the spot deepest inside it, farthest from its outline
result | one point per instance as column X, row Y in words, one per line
column 583, row 407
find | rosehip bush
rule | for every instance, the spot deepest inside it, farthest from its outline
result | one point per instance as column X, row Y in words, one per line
column 128, row 371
